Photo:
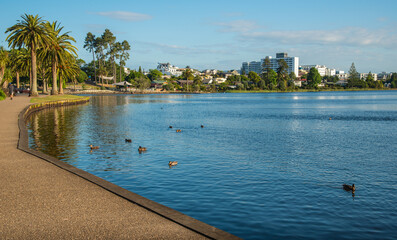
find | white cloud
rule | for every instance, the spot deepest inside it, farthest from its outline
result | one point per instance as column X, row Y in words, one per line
column 348, row 36
column 125, row 16
column 345, row 36
column 238, row 26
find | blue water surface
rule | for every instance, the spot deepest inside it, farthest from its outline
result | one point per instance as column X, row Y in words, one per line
column 265, row 166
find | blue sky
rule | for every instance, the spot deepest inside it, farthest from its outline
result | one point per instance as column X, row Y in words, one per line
column 223, row 34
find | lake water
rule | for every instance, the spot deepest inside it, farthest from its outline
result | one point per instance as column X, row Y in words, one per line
column 265, row 166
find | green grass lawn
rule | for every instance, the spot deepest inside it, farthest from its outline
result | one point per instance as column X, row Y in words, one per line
column 53, row 98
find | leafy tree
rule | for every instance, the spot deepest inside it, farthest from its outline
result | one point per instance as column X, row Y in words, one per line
column 282, row 74
column 266, row 70
column 292, row 76
column 262, row 84
column 29, row 32
column 154, row 74
column 187, row 74
column 370, row 80
column 82, row 77
column 272, row 78
column 254, row 77
column 393, row 80
column 313, row 78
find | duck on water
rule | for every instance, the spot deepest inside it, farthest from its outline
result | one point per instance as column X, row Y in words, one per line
column 347, row 187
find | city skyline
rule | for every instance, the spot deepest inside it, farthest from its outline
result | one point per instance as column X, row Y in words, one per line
column 223, row 34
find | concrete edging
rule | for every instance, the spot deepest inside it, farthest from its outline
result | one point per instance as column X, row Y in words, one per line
column 166, row 212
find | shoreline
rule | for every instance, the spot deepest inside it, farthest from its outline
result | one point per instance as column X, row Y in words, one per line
column 159, row 209
column 108, row 92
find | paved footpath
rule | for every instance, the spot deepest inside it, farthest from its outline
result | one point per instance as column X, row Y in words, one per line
column 41, row 201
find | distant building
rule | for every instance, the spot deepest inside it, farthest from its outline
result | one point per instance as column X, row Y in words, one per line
column 364, row 76
column 210, row 71
column 126, row 71
column 292, row 62
column 168, row 69
column 322, row 70
column 384, row 75
column 253, row 66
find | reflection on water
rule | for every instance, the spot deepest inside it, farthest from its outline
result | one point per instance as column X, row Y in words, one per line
column 264, row 166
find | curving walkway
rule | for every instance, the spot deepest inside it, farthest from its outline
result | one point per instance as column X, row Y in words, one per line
column 39, row 200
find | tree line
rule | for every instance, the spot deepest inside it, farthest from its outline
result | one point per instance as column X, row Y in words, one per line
column 39, row 48
column 105, row 51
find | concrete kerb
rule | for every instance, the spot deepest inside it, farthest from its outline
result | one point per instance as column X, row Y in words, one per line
column 166, row 212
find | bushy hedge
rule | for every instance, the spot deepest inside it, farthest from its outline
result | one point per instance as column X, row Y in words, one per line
column 2, row 95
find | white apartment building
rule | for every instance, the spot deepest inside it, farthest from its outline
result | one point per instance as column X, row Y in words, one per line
column 364, row 76
column 292, row 62
column 322, row 70
column 168, row 69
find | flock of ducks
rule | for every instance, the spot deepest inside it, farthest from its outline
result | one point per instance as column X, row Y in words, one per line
column 141, row 149
column 144, row 149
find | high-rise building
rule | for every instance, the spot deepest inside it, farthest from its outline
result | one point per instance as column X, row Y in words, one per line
column 292, row 62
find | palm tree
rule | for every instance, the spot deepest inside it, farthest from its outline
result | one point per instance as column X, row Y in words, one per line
column 3, row 64
column 22, row 64
column 67, row 70
column 29, row 32
column 58, row 50
column 89, row 44
column 15, row 53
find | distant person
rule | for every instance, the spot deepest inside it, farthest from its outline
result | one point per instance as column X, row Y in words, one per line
column 11, row 90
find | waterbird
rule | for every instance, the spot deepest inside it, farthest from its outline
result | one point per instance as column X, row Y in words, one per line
column 170, row 126
column 128, row 140
column 347, row 187
column 94, row 147
column 202, row 126
column 178, row 130
column 172, row 163
column 141, row 149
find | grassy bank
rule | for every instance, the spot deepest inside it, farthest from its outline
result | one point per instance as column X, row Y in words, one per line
column 54, row 98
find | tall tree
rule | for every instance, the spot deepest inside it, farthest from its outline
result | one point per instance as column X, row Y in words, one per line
column 354, row 76
column 22, row 63
column 108, row 41
column 313, row 77
column 282, row 74
column 29, row 32
column 99, row 46
column 124, row 55
column 89, row 44
column 58, row 50
column 266, row 70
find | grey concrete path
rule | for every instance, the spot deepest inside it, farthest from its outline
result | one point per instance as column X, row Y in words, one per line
column 38, row 200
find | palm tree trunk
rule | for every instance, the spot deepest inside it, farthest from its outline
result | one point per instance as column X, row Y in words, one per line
column 45, row 89
column 30, row 80
column 60, row 85
column 17, row 73
column 34, row 72
column 54, row 90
